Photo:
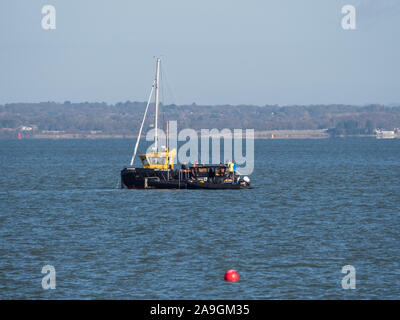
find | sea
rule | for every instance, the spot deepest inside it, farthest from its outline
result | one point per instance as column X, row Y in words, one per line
column 316, row 206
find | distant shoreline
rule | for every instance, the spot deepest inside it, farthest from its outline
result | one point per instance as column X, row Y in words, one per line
column 51, row 120
column 269, row 134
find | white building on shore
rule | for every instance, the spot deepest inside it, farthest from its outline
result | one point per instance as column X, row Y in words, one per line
column 386, row 134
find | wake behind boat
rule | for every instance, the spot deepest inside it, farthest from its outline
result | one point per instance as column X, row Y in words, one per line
column 158, row 171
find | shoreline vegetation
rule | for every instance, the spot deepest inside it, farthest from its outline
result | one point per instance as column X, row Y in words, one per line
column 270, row 134
column 52, row 120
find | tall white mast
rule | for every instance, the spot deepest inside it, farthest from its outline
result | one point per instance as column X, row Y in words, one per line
column 156, row 96
column 141, row 126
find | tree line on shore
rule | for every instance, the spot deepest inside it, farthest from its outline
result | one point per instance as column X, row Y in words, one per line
column 125, row 118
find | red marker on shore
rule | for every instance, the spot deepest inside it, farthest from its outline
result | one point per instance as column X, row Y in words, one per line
column 231, row 276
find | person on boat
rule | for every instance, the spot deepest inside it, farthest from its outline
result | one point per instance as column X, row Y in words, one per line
column 220, row 170
column 211, row 175
column 193, row 174
column 184, row 170
column 231, row 169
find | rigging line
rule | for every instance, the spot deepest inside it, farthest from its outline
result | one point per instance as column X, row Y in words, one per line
column 141, row 127
column 162, row 84
column 163, row 95
column 171, row 91
column 162, row 91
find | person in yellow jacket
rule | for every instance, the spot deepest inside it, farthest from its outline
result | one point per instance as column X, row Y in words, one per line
column 230, row 169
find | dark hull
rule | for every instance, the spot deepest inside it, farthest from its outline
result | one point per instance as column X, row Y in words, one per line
column 140, row 178
column 173, row 184
column 213, row 186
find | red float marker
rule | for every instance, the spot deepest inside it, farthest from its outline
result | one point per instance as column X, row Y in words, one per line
column 19, row 136
column 231, row 276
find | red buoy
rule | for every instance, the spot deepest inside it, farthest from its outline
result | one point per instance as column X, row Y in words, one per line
column 231, row 276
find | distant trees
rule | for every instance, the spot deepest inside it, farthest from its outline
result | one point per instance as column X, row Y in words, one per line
column 8, row 123
column 125, row 117
column 369, row 127
column 352, row 127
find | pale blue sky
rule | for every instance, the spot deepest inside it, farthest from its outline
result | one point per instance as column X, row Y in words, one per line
column 214, row 52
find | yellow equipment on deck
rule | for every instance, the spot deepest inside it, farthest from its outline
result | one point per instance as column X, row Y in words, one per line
column 159, row 160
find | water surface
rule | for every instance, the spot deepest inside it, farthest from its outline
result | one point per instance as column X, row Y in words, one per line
column 317, row 205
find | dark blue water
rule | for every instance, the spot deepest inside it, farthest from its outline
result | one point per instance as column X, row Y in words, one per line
column 317, row 205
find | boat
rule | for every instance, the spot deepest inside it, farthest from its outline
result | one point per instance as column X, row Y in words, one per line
column 386, row 134
column 158, row 172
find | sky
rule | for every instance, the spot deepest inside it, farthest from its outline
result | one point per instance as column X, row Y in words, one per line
column 257, row 52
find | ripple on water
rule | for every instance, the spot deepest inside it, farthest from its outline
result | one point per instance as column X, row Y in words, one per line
column 317, row 205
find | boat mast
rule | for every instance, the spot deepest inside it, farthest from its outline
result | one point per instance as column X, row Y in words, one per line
column 156, row 98
column 141, row 126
